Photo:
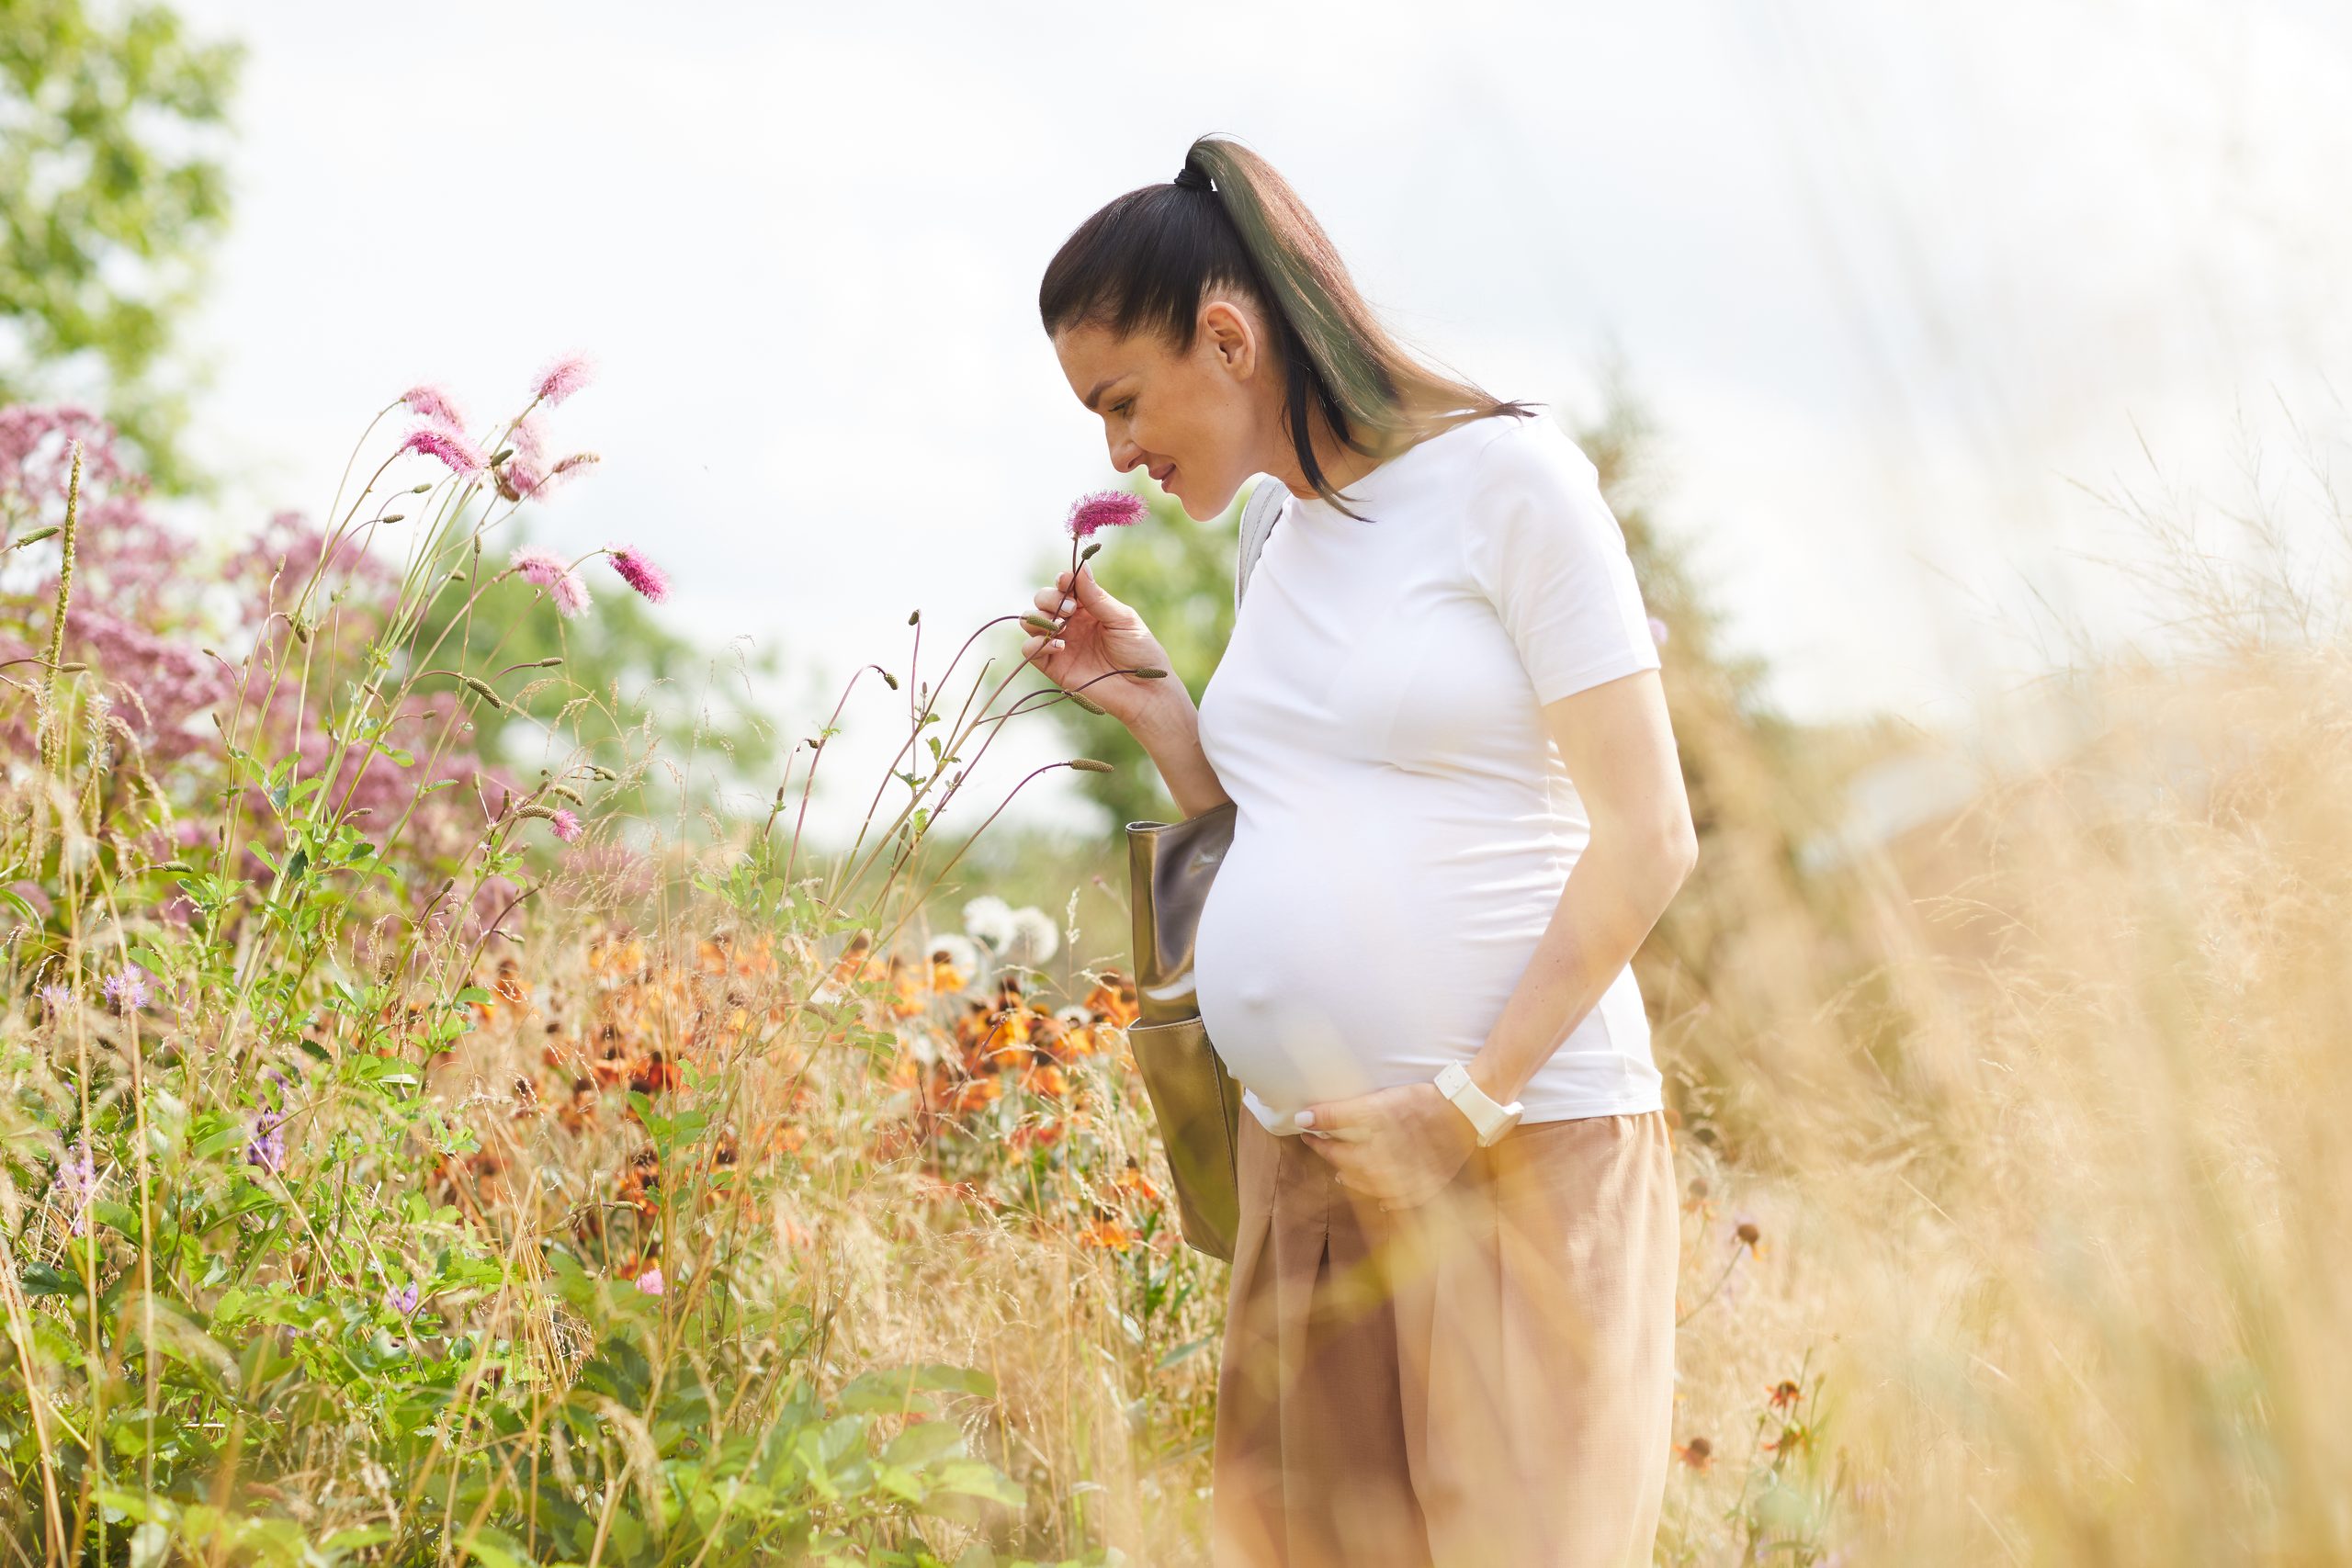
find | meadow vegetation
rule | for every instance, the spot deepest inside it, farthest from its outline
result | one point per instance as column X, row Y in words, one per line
column 410, row 1155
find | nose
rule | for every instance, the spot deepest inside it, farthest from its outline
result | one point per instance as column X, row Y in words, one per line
column 1126, row 456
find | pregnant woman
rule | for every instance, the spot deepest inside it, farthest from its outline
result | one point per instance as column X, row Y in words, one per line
column 1449, row 1333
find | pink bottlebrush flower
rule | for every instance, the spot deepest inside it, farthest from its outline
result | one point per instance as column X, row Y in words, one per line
column 529, row 438
column 435, row 404
column 552, row 572
column 1103, row 509
column 462, row 457
column 565, row 377
column 126, row 989
column 651, row 1282
column 519, row 477
column 564, row 823
column 638, row 572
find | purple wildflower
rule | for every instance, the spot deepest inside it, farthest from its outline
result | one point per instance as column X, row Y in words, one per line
column 1657, row 630
column 435, row 403
column 638, row 572
column 56, row 997
column 1103, row 509
column 127, row 988
column 651, row 1282
column 565, row 377
column 401, row 1300
column 565, row 823
column 267, row 1148
column 552, row 572
column 462, row 456
column 77, row 1183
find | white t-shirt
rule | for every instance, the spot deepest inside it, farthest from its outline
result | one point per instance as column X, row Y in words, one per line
column 1404, row 823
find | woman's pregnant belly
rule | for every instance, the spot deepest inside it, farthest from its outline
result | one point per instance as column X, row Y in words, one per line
column 1334, row 957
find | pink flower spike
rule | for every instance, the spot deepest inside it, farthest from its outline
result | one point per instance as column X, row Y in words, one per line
column 552, row 572
column 1103, row 509
column 519, row 478
column 564, row 824
column 434, row 402
column 651, row 1282
column 529, row 439
column 462, row 457
column 565, row 377
column 638, row 572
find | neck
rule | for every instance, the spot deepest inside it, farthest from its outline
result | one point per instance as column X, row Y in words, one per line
column 1341, row 465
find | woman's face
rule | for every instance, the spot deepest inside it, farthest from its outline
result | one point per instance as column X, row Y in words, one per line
column 1194, row 421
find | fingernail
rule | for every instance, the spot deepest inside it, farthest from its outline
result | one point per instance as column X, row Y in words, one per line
column 1306, row 1118
column 1067, row 605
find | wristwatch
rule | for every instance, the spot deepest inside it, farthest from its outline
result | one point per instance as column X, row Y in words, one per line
column 1455, row 1082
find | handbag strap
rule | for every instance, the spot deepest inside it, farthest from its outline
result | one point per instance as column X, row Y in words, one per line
column 1258, row 516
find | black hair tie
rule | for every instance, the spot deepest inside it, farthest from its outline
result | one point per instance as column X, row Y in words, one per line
column 1191, row 178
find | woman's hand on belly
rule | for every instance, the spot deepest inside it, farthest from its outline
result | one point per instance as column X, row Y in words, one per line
column 1397, row 1145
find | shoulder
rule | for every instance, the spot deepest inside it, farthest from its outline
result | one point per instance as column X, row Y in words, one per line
column 1530, row 460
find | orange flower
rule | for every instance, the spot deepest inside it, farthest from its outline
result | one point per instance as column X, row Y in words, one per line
column 1107, row 1232
column 1784, row 1393
column 1133, row 1179
column 1698, row 1453
column 1112, row 999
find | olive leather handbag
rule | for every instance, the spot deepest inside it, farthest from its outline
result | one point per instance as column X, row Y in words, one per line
column 1170, row 868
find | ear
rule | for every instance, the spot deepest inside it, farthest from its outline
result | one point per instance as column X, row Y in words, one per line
column 1231, row 335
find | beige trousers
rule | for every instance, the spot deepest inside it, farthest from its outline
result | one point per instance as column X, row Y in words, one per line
column 1483, row 1379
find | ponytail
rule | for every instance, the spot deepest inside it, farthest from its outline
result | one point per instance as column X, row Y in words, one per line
column 1229, row 220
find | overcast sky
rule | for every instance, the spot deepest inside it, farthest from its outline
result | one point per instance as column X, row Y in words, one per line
column 1898, row 281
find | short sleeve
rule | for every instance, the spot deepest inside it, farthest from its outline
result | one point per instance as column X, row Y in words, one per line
column 1543, row 546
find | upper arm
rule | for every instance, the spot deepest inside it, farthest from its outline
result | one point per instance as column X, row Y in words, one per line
column 1540, row 541
column 1618, row 744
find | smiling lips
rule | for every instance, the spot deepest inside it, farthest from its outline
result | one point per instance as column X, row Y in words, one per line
column 1160, row 476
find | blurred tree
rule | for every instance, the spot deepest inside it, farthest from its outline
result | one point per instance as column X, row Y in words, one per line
column 110, row 200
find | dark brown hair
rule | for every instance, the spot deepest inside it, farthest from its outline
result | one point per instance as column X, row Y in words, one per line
column 1146, row 260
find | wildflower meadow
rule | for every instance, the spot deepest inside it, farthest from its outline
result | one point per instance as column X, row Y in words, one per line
column 408, row 1156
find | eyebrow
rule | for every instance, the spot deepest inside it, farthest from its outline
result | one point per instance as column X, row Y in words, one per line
column 1100, row 388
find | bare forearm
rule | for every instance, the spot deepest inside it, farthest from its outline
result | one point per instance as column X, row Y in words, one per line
column 1614, row 894
column 1170, row 733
